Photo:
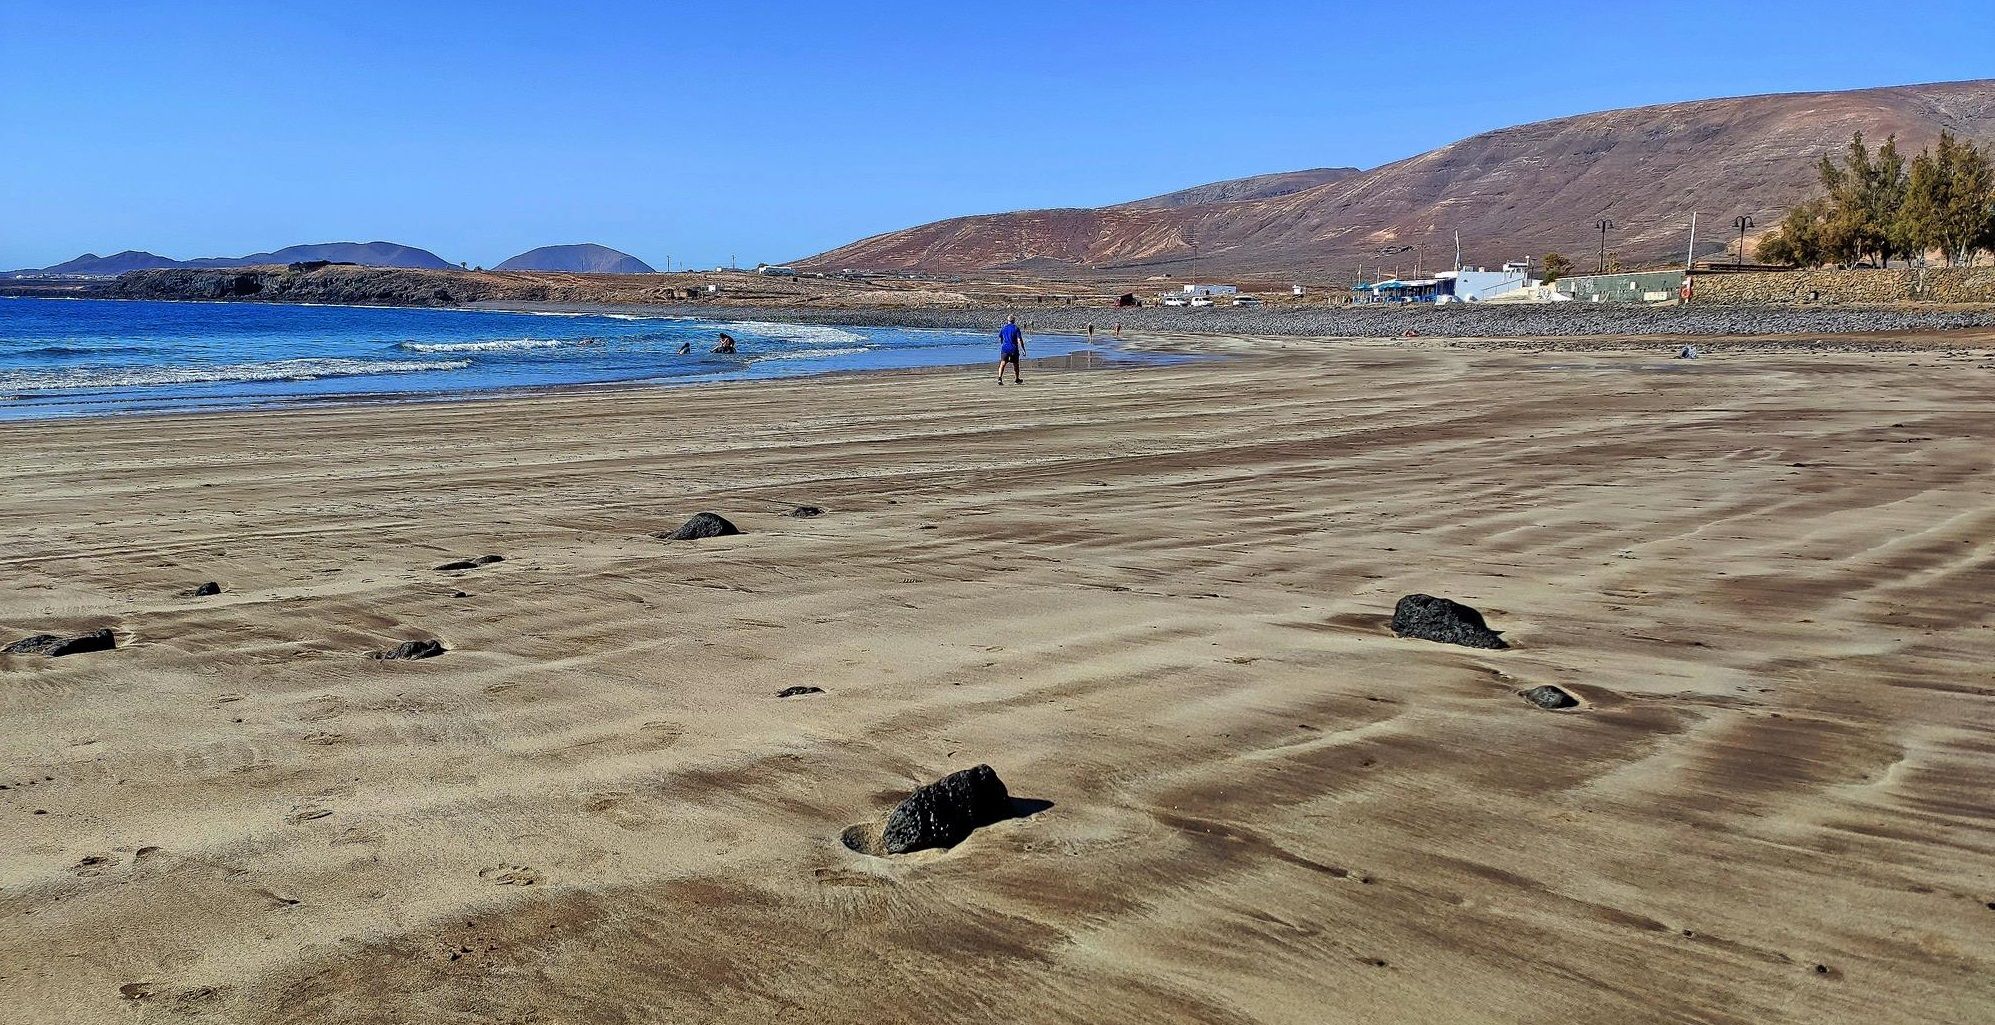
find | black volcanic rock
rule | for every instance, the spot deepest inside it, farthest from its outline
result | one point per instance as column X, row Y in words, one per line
column 702, row 525
column 1438, row 619
column 410, row 651
column 585, row 258
column 943, row 813
column 798, row 691
column 804, row 512
column 472, row 563
column 1549, row 697
column 204, row 590
column 56, row 647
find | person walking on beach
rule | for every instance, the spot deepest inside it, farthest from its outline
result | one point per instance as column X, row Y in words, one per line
column 1011, row 349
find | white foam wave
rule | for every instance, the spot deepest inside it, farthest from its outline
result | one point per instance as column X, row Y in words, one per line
column 280, row 370
column 499, row 345
column 812, row 354
column 805, row 334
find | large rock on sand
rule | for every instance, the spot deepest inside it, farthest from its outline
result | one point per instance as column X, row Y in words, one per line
column 1549, row 697
column 56, row 647
column 704, row 524
column 471, row 563
column 1438, row 619
column 943, row 813
column 410, row 651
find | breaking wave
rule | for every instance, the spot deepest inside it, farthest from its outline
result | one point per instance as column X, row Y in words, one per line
column 281, row 370
column 806, row 334
column 501, row 345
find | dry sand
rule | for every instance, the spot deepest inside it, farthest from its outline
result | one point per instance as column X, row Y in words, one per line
column 1152, row 597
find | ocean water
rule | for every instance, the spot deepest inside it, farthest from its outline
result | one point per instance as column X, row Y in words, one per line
column 68, row 357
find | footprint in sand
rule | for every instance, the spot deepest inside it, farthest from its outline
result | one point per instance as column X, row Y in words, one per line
column 510, row 875
column 94, row 865
column 325, row 738
column 306, row 813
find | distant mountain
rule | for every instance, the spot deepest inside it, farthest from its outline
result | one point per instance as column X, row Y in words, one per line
column 585, row 258
column 1260, row 186
column 371, row 254
column 1511, row 193
column 118, row 263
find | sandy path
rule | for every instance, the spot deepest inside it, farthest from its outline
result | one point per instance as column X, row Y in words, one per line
column 1152, row 597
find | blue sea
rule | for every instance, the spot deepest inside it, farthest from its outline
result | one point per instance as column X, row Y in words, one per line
column 68, row 357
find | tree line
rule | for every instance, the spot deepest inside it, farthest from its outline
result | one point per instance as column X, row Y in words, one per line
column 1877, row 206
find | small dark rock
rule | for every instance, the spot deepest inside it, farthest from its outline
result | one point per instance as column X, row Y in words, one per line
column 804, row 512
column 704, row 524
column 482, row 560
column 204, row 590
column 410, row 650
column 1549, row 697
column 798, row 691
column 56, row 647
column 1438, row 619
column 943, row 813
column 460, row 594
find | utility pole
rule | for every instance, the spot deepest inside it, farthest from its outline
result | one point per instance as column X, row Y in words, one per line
column 1603, row 226
column 1742, row 222
column 1690, row 257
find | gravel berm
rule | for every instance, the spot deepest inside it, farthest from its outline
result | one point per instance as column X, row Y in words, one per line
column 1564, row 320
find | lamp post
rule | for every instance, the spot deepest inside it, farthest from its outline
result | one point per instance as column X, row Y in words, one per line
column 1742, row 222
column 1603, row 226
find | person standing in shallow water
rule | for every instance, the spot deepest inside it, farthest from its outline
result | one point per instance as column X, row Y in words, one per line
column 1011, row 349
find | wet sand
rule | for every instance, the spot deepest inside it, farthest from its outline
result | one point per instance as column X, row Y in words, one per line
column 1153, row 597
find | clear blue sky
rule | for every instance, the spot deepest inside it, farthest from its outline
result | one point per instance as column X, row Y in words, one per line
column 776, row 129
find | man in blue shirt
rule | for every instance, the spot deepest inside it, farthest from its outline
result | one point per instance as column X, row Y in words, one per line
column 1011, row 349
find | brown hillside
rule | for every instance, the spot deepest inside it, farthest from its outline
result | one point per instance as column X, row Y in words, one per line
column 1511, row 193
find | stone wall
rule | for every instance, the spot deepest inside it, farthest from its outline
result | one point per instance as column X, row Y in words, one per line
column 1848, row 287
column 1638, row 287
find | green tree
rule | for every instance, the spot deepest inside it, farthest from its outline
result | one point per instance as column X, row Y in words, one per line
column 1950, row 200
column 1556, row 267
column 1806, row 237
column 1866, row 193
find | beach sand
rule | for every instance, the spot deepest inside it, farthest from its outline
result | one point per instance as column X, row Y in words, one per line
column 1156, row 598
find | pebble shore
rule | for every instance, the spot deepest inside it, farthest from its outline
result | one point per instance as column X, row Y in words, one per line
column 1566, row 320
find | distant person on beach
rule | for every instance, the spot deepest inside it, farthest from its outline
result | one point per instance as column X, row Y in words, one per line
column 726, row 346
column 1011, row 349
column 1118, row 329
column 685, row 347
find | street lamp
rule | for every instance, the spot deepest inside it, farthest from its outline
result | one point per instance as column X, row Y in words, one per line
column 1603, row 226
column 1742, row 222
